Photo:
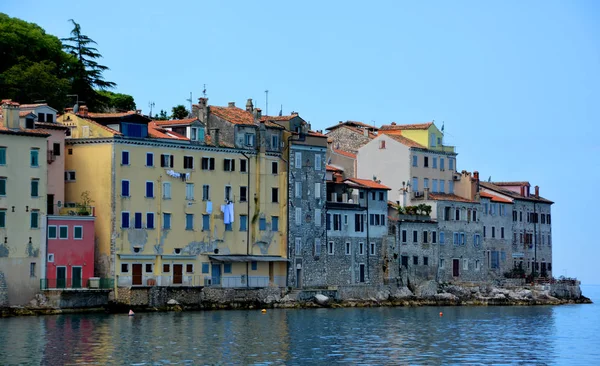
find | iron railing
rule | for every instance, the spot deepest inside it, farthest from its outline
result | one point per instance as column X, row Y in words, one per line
column 76, row 283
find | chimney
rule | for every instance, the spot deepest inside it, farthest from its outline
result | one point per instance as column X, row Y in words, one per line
column 393, row 123
column 366, row 132
column 83, row 110
column 258, row 113
column 425, row 194
column 231, row 105
column 201, row 110
column 294, row 113
column 537, row 191
column 11, row 114
column 68, row 110
column 523, row 191
column 215, row 136
column 249, row 106
column 476, row 175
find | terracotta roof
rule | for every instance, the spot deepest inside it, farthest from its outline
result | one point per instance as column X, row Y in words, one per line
column 278, row 118
column 28, row 106
column 416, row 126
column 316, row 134
column 515, row 184
column 52, row 126
column 9, row 102
column 512, row 194
column 349, row 124
column 23, row 131
column 114, row 132
column 234, row 115
column 332, row 168
column 494, row 198
column 158, row 132
column 344, row 153
column 405, row 141
column 106, row 115
column 176, row 122
column 368, row 183
column 449, row 197
column 25, row 113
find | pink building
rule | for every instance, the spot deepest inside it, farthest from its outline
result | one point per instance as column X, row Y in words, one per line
column 70, row 253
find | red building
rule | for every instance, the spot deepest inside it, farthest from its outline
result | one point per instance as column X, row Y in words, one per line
column 70, row 252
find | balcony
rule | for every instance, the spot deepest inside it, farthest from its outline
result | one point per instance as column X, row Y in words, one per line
column 74, row 210
column 342, row 200
column 51, row 157
column 94, row 283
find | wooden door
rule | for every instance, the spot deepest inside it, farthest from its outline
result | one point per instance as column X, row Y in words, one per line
column 61, row 277
column 455, row 267
column 76, row 277
column 136, row 280
column 177, row 274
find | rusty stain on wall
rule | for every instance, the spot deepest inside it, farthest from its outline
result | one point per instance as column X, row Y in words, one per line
column 32, row 252
column 4, row 250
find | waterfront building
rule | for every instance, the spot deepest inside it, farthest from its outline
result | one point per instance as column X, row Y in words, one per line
column 350, row 136
column 496, row 218
column 23, row 205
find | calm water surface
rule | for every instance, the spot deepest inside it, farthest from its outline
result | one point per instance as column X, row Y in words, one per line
column 559, row 335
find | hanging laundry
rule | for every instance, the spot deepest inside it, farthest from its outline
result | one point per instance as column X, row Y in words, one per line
column 208, row 207
column 226, row 216
column 230, row 211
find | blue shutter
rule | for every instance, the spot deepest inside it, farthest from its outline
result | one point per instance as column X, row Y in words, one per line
column 125, row 188
column 149, row 189
column 138, row 220
column 205, row 222
column 150, row 220
column 125, row 219
column 243, row 223
column 262, row 223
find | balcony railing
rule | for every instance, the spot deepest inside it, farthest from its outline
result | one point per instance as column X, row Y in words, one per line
column 94, row 283
column 78, row 210
column 198, row 281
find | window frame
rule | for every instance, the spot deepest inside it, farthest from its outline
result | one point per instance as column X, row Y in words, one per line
column 80, row 227
column 60, row 227
column 125, row 157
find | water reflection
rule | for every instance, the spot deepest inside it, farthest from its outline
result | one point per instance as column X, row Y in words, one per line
column 473, row 335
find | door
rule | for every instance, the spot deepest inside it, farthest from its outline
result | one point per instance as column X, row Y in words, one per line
column 298, row 278
column 361, row 275
column 455, row 267
column 76, row 277
column 177, row 274
column 61, row 277
column 216, row 274
column 136, row 280
column 50, row 204
column 271, row 275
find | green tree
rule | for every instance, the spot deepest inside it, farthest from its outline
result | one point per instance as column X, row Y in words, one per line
column 161, row 116
column 179, row 112
column 86, row 73
column 117, row 101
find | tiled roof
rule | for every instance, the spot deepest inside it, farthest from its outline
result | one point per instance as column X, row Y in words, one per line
column 367, row 183
column 23, row 131
column 516, row 184
column 515, row 195
column 9, row 102
column 234, row 115
column 25, row 113
column 344, row 153
column 176, row 122
column 404, row 141
column 316, row 134
column 332, row 168
column 52, row 126
column 29, row 106
column 350, row 124
column 449, row 197
column 416, row 126
column 106, row 115
column 494, row 198
column 108, row 129
column 278, row 118
column 158, row 132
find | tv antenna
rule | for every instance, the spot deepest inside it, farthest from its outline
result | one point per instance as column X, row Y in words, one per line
column 267, row 102
column 204, row 91
column 190, row 100
column 151, row 105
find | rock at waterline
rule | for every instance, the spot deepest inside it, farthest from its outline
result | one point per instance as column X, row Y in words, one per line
column 321, row 299
column 172, row 302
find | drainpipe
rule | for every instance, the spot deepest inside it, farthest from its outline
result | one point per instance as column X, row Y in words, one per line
column 533, row 270
column 367, row 243
column 247, row 220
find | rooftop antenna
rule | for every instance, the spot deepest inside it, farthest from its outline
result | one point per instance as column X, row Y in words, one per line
column 190, row 100
column 204, row 91
column 281, row 111
column 151, row 105
column 267, row 102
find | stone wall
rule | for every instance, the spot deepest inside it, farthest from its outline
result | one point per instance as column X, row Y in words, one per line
column 76, row 299
column 3, row 291
column 348, row 139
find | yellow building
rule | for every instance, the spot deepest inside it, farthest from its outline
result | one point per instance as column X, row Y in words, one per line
column 175, row 206
column 425, row 134
column 23, row 182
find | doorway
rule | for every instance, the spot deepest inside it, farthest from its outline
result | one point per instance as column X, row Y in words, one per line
column 455, row 267
column 76, row 277
column 136, row 280
column 61, row 277
column 271, row 272
column 361, row 275
column 177, row 274
column 216, row 274
column 298, row 278
column 50, row 204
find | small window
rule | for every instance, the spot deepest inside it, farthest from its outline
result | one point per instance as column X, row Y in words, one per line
column 243, row 165
column 166, row 268
column 206, row 192
column 149, row 268
column 167, row 160
column 189, row 191
column 208, row 164
column 78, row 232
column 166, row 190
column 262, row 224
column 189, row 268
column 274, row 223
column 415, row 260
column 249, row 139
column 426, row 161
column 166, row 221
column 52, row 232
column 243, row 193
column 124, row 188
column 348, row 249
column 34, row 160
column 229, row 165
column 274, row 142
column 70, row 176
column 189, row 221
column 125, row 220
column 361, row 248
column 243, row 222
column 35, row 219
column 137, row 220
column 274, row 167
column 149, row 159
column 372, row 249
column 149, row 189
column 425, row 261
column 415, row 161
column 124, row 157
column 382, row 144
column 227, row 268
column 124, row 267
column 228, row 193
column 50, row 258
column 70, row 151
column 149, row 220
column 275, row 195
column 35, row 184
column 254, row 265
column 188, row 162
column 205, row 268
column 330, row 248
column 2, row 155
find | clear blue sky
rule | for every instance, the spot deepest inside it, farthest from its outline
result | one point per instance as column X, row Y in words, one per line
column 516, row 82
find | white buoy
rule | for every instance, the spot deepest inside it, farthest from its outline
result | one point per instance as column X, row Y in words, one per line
column 131, row 313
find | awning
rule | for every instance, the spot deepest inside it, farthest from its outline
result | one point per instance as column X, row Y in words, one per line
column 247, row 258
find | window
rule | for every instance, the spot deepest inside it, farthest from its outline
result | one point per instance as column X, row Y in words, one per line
column 32, row 269
column 167, row 190
column 137, row 220
column 3, row 186
column 450, row 187
column 166, row 268
column 149, row 268
column 425, row 236
column 404, row 236
column 372, row 249
column 361, row 248
column 298, row 246
column 348, row 249
column 442, row 164
column 70, row 176
column 227, row 267
column 382, row 144
column 254, row 265
column 317, row 190
column 381, row 195
column 298, row 160
column 274, row 195
column 149, row 189
column 442, row 237
column 34, row 158
column 318, row 162
column 318, row 217
column 415, row 160
column 463, row 241
column 78, row 232
column 477, row 265
column 124, row 267
column 189, row 268
column 243, row 222
column 456, row 238
column 149, row 159
column 189, row 221
column 227, row 193
column 124, row 188
column 229, row 165
column 404, row 261
column 425, row 183
column 194, row 136
column 330, row 248
column 442, row 186
column 450, row 163
column 434, row 186
column 188, row 162
column 205, row 222
column 359, row 223
column 274, row 167
column 262, row 224
column 206, row 192
column 56, row 149
column 50, row 257
column 415, row 184
column 502, row 232
column 415, row 236
column 474, row 215
column 493, row 232
column 434, row 162
column 125, row 220
column 2, row 155
column 415, row 260
column 317, row 246
column 457, row 214
column 433, row 237
column 166, row 221
column 124, row 157
column 426, row 161
column 208, row 164
column 166, row 160
column 337, row 222
column 298, row 216
column 274, row 223
column 205, row 267
column 465, row 264
column 52, row 232
column 35, row 184
column 274, row 142
column 150, row 220
column 476, row 240
column 249, row 139
column 35, row 219
column 442, row 263
column 484, row 232
column 243, row 193
column 63, row 232
column 243, row 165
column 189, row 191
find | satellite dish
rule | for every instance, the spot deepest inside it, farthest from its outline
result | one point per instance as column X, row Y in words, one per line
column 76, row 108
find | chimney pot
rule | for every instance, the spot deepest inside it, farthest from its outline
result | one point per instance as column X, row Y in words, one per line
column 249, row 105
column 476, row 175
column 231, row 104
column 366, row 132
column 258, row 113
column 537, row 191
column 393, row 123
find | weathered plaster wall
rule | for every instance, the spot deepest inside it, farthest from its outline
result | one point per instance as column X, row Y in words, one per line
column 348, row 139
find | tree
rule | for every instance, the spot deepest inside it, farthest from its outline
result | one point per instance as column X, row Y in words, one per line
column 117, row 101
column 161, row 116
column 86, row 72
column 179, row 112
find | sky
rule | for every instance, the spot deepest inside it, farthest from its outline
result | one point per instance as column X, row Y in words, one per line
column 515, row 83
